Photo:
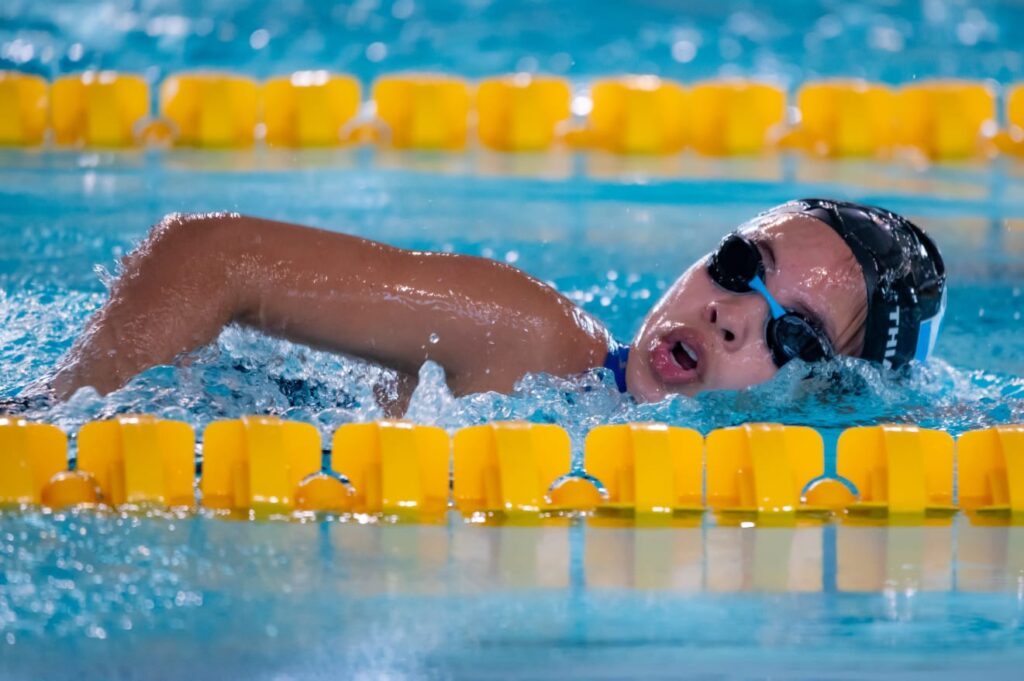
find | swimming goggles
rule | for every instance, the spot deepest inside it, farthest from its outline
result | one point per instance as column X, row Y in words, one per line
column 737, row 267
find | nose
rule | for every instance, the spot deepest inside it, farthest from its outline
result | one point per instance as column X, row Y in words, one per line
column 736, row 319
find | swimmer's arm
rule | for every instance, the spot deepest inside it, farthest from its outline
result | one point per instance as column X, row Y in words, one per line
column 485, row 322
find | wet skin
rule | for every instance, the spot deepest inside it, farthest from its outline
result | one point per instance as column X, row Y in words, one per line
column 809, row 268
column 485, row 322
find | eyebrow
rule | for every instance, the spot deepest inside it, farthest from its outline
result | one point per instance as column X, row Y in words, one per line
column 767, row 252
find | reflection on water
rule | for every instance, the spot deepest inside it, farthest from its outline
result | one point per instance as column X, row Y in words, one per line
column 308, row 599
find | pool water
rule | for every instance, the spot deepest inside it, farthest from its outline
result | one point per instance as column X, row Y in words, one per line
column 121, row 596
column 609, row 233
column 157, row 596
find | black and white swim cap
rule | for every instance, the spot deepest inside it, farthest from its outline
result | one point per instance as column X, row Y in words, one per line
column 903, row 272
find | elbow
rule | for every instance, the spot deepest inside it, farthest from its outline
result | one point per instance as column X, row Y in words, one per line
column 188, row 250
column 192, row 233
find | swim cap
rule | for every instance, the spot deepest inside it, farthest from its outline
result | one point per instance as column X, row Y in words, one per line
column 903, row 272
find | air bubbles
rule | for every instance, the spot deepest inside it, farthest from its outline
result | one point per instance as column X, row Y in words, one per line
column 527, row 65
column 828, row 27
column 376, row 52
column 18, row 51
column 403, row 9
column 560, row 62
column 434, row 338
column 684, row 51
column 259, row 39
column 885, row 38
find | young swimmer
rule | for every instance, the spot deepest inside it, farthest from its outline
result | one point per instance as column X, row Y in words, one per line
column 809, row 279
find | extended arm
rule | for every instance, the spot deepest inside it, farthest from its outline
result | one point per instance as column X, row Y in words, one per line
column 485, row 322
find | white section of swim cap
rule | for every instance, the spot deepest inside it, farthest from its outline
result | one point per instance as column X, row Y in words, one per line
column 928, row 332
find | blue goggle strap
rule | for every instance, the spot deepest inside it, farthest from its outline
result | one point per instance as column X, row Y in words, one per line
column 777, row 310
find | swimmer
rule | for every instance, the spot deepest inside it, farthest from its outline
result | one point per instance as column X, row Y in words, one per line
column 807, row 280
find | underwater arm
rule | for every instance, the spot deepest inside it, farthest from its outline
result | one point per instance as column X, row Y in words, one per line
column 485, row 322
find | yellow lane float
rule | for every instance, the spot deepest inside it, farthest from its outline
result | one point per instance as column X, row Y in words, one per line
column 31, row 454
column 508, row 468
column 140, row 460
column 903, row 473
column 637, row 115
column 258, row 463
column 735, row 117
column 990, row 472
column 423, row 111
column 99, row 109
column 394, row 467
column 521, row 112
column 309, row 108
column 946, row 120
column 647, row 468
column 24, row 102
column 211, row 109
column 766, row 473
column 1011, row 140
column 759, row 470
column 845, row 118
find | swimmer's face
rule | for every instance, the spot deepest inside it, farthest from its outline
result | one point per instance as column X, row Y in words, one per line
column 701, row 337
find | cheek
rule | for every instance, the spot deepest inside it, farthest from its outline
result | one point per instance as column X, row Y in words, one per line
column 750, row 366
column 683, row 297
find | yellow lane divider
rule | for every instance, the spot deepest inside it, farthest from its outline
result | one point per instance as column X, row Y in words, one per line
column 310, row 108
column 426, row 111
column 24, row 102
column 759, row 470
column 638, row 114
column 507, row 468
column 211, row 109
column 31, row 454
column 257, row 463
column 844, row 119
column 139, row 460
column 736, row 117
column 990, row 469
column 903, row 472
column 1011, row 140
column 647, row 468
column 946, row 119
column 394, row 467
column 521, row 112
column 99, row 109
column 759, row 473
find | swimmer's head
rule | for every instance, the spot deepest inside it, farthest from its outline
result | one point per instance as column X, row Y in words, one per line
column 809, row 279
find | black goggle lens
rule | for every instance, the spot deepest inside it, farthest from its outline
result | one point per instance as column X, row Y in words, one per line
column 793, row 336
column 735, row 263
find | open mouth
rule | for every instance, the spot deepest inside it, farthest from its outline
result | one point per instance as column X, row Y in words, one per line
column 677, row 357
column 685, row 356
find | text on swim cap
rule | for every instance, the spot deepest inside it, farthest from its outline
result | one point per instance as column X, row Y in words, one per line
column 894, row 332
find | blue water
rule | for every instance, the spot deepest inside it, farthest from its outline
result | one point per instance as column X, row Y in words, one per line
column 787, row 40
column 612, row 238
column 125, row 596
